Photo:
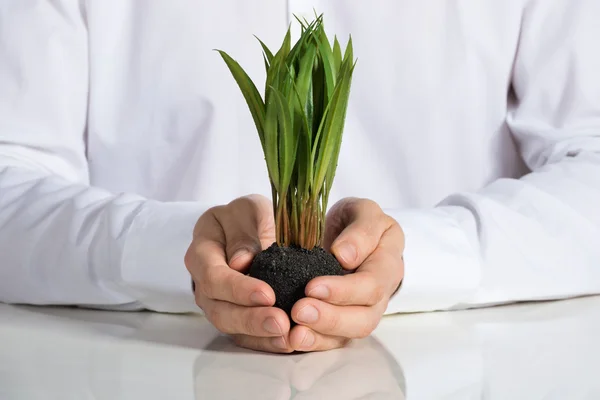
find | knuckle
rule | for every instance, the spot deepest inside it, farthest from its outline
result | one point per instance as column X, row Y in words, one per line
column 345, row 294
column 366, row 328
column 210, row 277
column 188, row 258
column 242, row 242
column 369, row 204
column 215, row 211
column 241, row 207
column 208, row 220
column 248, row 327
column 239, row 340
column 391, row 221
column 334, row 322
column 236, row 287
column 199, row 301
column 376, row 296
column 204, row 288
column 216, row 318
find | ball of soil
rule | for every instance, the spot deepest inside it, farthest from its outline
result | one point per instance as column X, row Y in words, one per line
column 289, row 269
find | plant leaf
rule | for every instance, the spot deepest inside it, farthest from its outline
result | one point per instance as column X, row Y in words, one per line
column 304, row 87
column 329, row 176
column 349, row 53
column 337, row 54
column 266, row 51
column 328, row 62
column 287, row 141
column 333, row 126
column 271, row 142
column 250, row 93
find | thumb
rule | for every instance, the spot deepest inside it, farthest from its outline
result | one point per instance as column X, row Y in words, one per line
column 249, row 227
column 357, row 228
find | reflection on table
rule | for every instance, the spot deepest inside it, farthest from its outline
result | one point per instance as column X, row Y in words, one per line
column 543, row 350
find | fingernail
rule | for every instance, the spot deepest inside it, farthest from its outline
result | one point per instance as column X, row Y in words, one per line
column 320, row 292
column 260, row 299
column 308, row 341
column 347, row 253
column 270, row 325
column 308, row 315
column 279, row 342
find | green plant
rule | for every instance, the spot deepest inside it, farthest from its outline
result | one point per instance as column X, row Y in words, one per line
column 300, row 122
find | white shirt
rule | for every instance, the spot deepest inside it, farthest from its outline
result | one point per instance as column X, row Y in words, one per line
column 476, row 124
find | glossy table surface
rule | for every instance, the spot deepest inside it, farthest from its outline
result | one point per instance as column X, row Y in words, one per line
column 548, row 350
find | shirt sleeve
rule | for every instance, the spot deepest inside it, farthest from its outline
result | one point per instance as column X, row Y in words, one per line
column 63, row 241
column 538, row 237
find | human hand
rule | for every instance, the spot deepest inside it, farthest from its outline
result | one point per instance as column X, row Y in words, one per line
column 339, row 308
column 226, row 239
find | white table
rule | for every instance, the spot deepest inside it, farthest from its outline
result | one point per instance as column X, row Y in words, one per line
column 530, row 351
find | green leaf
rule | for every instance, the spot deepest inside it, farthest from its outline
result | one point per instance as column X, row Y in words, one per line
column 250, row 93
column 287, row 141
column 319, row 103
column 348, row 56
column 328, row 62
column 329, row 176
column 271, row 142
column 277, row 65
column 266, row 51
column 333, row 127
column 305, row 110
column 284, row 50
column 302, row 44
column 337, row 54
column 349, row 53
column 304, row 83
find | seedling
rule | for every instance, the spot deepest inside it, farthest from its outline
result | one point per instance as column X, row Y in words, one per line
column 300, row 122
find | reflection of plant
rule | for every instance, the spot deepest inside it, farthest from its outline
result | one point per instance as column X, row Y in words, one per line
column 300, row 123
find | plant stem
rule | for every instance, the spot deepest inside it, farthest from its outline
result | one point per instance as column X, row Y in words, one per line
column 278, row 227
column 286, row 224
column 295, row 227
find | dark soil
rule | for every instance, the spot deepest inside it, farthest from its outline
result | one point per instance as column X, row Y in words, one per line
column 289, row 269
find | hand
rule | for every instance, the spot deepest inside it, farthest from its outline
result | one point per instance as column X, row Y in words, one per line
column 226, row 239
column 339, row 308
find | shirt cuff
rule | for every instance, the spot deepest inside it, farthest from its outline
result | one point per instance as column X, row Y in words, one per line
column 152, row 267
column 441, row 268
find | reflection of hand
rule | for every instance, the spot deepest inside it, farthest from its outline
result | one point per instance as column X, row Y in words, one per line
column 226, row 238
column 361, row 370
column 226, row 372
column 338, row 308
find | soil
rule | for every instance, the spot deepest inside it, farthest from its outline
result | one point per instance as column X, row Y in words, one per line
column 289, row 269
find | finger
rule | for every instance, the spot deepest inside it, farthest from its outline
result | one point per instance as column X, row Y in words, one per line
column 249, row 228
column 363, row 224
column 362, row 288
column 254, row 321
column 303, row 338
column 215, row 280
column 386, row 263
column 278, row 344
column 328, row 319
column 377, row 278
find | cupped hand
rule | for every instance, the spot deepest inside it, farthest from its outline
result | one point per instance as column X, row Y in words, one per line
column 337, row 309
column 226, row 239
